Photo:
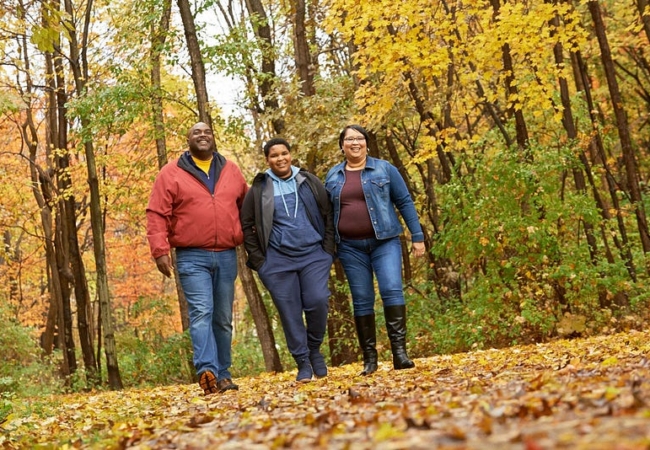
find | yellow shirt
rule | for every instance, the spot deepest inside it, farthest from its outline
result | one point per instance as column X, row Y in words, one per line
column 203, row 165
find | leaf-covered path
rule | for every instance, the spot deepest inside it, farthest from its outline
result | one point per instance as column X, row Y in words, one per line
column 578, row 394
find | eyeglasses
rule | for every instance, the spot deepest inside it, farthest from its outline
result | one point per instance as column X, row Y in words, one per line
column 354, row 139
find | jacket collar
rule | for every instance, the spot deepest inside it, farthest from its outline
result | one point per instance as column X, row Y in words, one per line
column 371, row 163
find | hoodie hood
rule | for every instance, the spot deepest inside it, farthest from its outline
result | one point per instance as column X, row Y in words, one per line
column 286, row 186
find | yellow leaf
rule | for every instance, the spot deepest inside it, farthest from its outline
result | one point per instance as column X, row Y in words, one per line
column 386, row 431
column 609, row 362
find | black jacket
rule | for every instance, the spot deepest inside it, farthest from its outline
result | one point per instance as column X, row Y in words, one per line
column 257, row 214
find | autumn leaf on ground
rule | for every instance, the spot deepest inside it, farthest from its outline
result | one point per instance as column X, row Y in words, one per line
column 574, row 394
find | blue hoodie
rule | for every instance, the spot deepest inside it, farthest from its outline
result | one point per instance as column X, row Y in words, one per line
column 292, row 233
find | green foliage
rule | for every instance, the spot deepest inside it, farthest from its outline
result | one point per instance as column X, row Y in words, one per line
column 313, row 123
column 518, row 239
column 247, row 358
column 9, row 103
column 24, row 371
column 110, row 109
column 5, row 401
column 146, row 360
column 247, row 355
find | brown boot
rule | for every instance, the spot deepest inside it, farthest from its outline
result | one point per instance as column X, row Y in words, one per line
column 208, row 383
column 226, row 384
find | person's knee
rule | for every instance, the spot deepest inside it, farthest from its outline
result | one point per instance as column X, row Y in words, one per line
column 223, row 319
column 200, row 323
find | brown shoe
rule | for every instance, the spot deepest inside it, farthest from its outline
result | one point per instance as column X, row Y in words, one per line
column 208, row 383
column 226, row 384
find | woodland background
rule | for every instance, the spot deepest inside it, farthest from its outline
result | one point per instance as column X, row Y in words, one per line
column 521, row 128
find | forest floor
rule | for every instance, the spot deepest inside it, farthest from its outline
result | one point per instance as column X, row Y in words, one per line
column 589, row 393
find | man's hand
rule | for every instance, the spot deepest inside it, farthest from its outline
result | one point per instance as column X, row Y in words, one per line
column 164, row 264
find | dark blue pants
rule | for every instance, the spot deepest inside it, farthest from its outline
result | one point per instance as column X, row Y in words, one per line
column 299, row 285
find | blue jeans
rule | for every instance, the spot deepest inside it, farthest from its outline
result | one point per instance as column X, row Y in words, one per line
column 361, row 258
column 208, row 281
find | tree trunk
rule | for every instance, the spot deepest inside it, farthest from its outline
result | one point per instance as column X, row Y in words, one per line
column 644, row 12
column 340, row 323
column 79, row 67
column 270, row 353
column 114, row 378
column 158, row 37
column 301, row 50
column 13, row 255
column 56, row 325
column 66, row 279
column 631, row 171
column 447, row 287
column 512, row 91
column 59, row 139
column 59, row 248
column 578, row 175
column 196, row 60
column 492, row 109
column 599, row 158
column 572, row 134
column 267, row 76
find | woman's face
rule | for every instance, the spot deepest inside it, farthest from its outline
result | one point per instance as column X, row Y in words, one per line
column 279, row 161
column 355, row 146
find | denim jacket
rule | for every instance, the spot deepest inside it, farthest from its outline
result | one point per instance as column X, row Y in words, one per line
column 385, row 190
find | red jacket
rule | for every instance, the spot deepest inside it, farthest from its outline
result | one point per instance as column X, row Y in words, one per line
column 182, row 212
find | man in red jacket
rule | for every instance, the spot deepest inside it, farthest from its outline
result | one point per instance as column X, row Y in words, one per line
column 194, row 207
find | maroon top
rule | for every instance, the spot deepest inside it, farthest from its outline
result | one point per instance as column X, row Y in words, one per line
column 354, row 220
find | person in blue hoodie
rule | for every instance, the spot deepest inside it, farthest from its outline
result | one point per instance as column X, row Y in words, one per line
column 289, row 237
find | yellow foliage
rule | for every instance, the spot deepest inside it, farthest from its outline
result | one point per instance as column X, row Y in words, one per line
column 411, row 49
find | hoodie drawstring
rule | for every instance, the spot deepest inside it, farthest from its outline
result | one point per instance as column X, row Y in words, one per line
column 279, row 183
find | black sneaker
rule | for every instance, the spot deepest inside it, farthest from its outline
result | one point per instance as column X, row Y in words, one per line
column 305, row 372
column 318, row 363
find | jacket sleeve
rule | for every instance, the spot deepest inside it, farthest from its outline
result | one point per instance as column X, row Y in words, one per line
column 328, row 217
column 251, row 240
column 159, row 213
column 402, row 200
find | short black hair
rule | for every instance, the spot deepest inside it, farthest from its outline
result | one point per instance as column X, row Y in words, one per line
column 275, row 141
column 355, row 127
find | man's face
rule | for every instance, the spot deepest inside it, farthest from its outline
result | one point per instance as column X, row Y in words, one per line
column 201, row 141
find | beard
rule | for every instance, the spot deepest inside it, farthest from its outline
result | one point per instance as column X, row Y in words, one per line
column 197, row 149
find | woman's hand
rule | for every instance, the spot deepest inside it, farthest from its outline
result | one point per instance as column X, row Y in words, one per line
column 418, row 249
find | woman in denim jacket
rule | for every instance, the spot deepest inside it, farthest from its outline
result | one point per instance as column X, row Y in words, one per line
column 365, row 192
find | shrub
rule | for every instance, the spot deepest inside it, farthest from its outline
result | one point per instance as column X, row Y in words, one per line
column 24, row 371
column 154, row 361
